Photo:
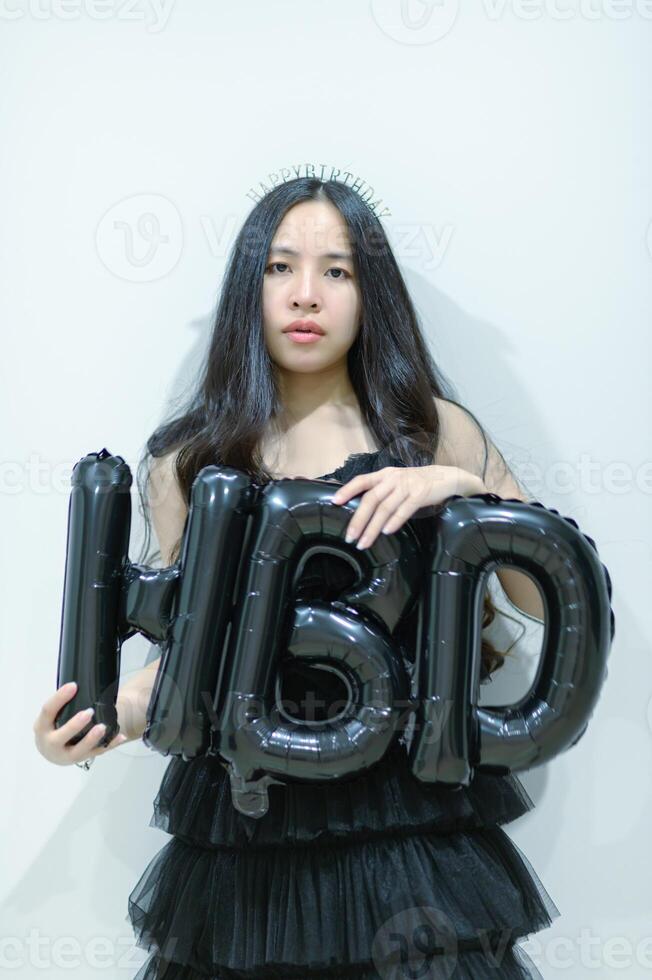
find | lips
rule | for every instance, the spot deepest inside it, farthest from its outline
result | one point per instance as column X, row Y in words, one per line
column 303, row 326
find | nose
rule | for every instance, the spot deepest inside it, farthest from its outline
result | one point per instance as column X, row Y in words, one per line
column 306, row 293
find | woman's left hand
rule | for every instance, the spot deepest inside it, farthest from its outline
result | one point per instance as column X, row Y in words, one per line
column 392, row 495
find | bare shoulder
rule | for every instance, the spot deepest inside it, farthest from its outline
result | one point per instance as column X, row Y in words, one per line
column 465, row 444
column 461, row 441
column 167, row 504
column 163, row 477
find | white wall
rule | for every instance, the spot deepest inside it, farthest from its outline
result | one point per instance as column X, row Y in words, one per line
column 511, row 142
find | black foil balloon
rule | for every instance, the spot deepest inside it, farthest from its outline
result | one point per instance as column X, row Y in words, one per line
column 180, row 715
column 293, row 518
column 472, row 536
column 98, row 538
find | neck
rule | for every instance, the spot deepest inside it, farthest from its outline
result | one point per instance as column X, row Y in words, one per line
column 305, row 393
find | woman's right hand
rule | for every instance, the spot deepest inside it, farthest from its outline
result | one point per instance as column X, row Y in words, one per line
column 51, row 741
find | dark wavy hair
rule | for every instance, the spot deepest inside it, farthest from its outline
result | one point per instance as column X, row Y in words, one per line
column 390, row 366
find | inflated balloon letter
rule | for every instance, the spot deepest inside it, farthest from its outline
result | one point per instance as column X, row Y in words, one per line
column 293, row 518
column 473, row 535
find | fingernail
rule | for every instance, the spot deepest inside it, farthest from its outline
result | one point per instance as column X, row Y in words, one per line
column 350, row 536
column 87, row 711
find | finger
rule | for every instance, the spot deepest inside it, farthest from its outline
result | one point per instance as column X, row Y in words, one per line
column 51, row 708
column 72, row 727
column 82, row 749
column 370, row 501
column 403, row 513
column 355, row 486
column 113, row 744
column 391, row 508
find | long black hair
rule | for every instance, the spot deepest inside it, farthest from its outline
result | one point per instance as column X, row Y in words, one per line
column 236, row 397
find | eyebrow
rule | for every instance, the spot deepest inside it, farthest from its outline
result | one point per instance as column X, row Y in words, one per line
column 284, row 250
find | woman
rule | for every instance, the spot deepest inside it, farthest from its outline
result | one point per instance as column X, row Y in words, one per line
column 317, row 368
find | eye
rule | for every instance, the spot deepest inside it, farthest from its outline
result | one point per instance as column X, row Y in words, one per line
column 334, row 268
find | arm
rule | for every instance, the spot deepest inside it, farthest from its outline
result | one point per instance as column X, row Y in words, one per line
column 461, row 444
column 168, row 510
column 133, row 699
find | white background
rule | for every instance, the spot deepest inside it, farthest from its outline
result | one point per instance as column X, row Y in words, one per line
column 512, row 146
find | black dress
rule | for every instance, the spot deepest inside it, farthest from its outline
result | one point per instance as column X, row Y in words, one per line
column 377, row 876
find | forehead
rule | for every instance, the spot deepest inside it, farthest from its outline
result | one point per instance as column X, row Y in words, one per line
column 313, row 227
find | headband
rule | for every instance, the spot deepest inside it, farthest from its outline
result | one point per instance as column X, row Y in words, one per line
column 309, row 170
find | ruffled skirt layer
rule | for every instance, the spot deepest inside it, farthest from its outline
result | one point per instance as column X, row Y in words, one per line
column 374, row 877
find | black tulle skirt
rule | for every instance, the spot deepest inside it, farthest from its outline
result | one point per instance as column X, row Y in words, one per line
column 377, row 876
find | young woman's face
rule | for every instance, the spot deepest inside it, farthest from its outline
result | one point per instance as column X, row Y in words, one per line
column 303, row 281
